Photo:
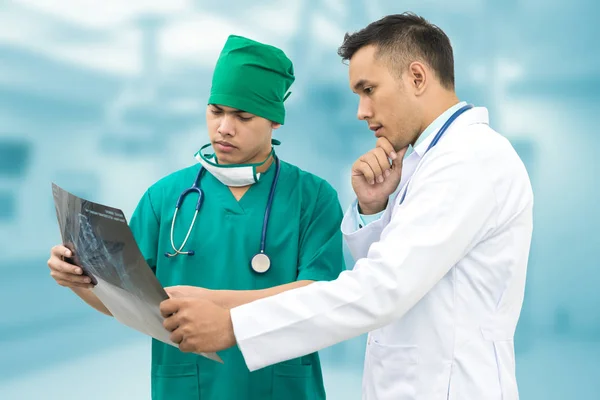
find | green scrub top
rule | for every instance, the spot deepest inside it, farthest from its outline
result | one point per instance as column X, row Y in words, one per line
column 303, row 240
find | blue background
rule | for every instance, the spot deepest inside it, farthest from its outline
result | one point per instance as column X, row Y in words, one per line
column 104, row 98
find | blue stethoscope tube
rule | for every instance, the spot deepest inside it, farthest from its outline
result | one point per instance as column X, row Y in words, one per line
column 437, row 137
column 261, row 261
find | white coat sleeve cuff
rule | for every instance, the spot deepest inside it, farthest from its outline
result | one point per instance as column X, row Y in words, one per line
column 242, row 328
column 359, row 237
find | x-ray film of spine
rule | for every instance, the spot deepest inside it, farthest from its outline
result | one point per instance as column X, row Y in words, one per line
column 104, row 247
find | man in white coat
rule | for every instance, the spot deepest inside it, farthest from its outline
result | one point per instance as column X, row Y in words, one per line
column 440, row 231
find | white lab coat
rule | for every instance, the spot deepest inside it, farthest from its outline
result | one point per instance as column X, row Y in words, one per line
column 438, row 282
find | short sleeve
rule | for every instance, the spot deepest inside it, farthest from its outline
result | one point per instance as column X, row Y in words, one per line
column 321, row 255
column 145, row 227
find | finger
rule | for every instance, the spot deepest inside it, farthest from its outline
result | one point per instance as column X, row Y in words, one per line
column 169, row 307
column 182, row 291
column 397, row 162
column 176, row 337
column 361, row 168
column 383, row 160
column 61, row 251
column 366, row 171
column 173, row 291
column 371, row 159
column 70, row 277
column 387, row 147
column 57, row 261
column 171, row 323
column 56, row 264
column 185, row 346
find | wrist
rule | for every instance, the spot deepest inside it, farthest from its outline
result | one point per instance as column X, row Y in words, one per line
column 371, row 208
column 229, row 336
column 225, row 298
column 233, row 298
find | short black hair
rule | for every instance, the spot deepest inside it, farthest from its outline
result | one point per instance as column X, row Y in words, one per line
column 404, row 38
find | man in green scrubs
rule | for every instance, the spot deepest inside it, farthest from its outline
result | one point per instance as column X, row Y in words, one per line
column 250, row 84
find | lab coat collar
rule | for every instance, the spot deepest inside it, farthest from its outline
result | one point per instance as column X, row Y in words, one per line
column 429, row 133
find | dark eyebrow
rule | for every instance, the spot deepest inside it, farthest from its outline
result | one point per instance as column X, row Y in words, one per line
column 232, row 111
column 360, row 84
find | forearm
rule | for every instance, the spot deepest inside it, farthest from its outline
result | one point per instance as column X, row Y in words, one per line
column 238, row 297
column 90, row 298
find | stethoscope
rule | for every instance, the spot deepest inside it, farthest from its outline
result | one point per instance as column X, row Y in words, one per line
column 260, row 262
column 437, row 137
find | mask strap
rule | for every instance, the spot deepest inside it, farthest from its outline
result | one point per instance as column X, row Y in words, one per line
column 207, row 157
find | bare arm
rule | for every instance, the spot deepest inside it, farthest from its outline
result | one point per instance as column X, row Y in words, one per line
column 89, row 297
column 232, row 298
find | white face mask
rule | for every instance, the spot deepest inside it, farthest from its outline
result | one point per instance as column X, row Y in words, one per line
column 235, row 175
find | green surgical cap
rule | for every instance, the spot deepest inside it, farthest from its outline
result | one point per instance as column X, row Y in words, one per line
column 253, row 77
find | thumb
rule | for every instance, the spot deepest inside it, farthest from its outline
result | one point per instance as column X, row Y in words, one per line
column 397, row 161
column 174, row 292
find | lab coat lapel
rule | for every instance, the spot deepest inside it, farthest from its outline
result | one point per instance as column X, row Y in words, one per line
column 476, row 115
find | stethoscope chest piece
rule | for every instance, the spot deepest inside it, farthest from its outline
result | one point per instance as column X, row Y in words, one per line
column 260, row 263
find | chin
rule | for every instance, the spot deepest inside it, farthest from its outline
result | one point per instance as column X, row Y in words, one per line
column 226, row 158
column 398, row 145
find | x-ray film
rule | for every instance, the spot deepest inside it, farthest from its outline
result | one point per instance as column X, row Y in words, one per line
column 104, row 247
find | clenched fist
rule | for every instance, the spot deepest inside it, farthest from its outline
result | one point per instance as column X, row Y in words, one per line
column 375, row 178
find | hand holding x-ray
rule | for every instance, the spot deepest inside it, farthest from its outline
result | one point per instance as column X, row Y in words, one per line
column 103, row 246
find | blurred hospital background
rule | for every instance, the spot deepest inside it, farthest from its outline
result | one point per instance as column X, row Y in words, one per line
column 106, row 97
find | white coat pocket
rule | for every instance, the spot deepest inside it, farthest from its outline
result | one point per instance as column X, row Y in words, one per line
column 505, row 361
column 392, row 371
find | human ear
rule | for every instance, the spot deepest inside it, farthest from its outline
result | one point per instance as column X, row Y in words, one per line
column 418, row 75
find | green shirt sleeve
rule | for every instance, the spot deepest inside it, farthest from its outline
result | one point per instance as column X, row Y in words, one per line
column 321, row 255
column 145, row 227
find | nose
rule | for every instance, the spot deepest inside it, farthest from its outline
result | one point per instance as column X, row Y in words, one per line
column 364, row 109
column 227, row 125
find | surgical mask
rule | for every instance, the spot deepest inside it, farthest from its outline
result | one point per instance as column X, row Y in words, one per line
column 235, row 175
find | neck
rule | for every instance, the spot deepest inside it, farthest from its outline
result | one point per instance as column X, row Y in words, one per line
column 238, row 192
column 260, row 157
column 439, row 103
column 266, row 165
